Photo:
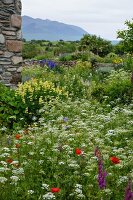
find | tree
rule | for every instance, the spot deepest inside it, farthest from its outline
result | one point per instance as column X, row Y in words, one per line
column 95, row 44
column 118, row 48
column 127, row 36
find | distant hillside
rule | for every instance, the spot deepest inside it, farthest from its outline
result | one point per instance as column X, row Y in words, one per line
column 39, row 29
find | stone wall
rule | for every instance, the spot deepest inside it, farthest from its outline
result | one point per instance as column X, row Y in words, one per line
column 10, row 42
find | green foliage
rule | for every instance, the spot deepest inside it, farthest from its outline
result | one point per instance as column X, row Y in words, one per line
column 83, row 56
column 75, row 87
column 128, row 62
column 71, row 79
column 11, row 108
column 95, row 44
column 127, row 36
column 116, row 87
column 65, row 57
column 66, row 47
column 119, row 48
column 32, row 72
column 41, row 57
column 110, row 57
column 18, row 108
column 77, row 82
column 30, row 50
column 35, row 93
column 113, row 58
column 82, row 69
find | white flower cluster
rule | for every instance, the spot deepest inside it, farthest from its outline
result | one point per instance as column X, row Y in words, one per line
column 3, row 179
column 45, row 186
column 19, row 171
column 78, row 192
column 30, row 192
column 48, row 196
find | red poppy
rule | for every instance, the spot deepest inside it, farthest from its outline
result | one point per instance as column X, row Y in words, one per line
column 18, row 145
column 78, row 151
column 115, row 160
column 54, row 190
column 17, row 136
column 9, row 160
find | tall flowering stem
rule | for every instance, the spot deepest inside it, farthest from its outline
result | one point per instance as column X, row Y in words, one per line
column 128, row 192
column 101, row 172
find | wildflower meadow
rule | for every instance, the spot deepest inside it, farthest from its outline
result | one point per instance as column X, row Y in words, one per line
column 61, row 145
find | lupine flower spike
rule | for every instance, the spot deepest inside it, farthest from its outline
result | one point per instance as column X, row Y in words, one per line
column 101, row 173
column 129, row 192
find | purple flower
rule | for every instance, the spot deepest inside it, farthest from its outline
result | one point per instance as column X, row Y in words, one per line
column 128, row 192
column 101, row 175
column 65, row 119
column 51, row 64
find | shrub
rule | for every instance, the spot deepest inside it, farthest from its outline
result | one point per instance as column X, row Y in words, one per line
column 11, row 108
column 32, row 72
column 128, row 62
column 113, row 58
column 116, row 86
column 35, row 93
column 40, row 57
column 82, row 69
column 30, row 50
column 65, row 57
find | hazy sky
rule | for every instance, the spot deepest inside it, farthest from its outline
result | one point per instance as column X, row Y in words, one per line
column 100, row 17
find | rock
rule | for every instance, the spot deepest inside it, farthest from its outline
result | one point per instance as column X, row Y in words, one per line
column 2, row 39
column 8, row 78
column 5, row 63
column 9, row 29
column 104, row 64
column 7, row 74
column 10, row 37
column 20, row 69
column 1, row 70
column 16, row 78
column 5, row 82
column 8, row 32
column 8, row 54
column 16, row 21
column 1, row 52
column 16, row 60
column 18, row 6
column 8, row 1
column 14, row 46
column 11, row 69
column 19, row 35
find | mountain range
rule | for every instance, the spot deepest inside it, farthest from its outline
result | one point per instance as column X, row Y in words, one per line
column 40, row 29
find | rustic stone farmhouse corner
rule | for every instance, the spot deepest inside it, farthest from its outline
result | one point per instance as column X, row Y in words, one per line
column 10, row 42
